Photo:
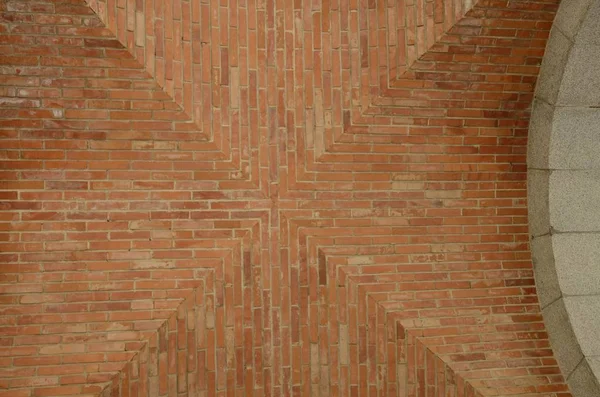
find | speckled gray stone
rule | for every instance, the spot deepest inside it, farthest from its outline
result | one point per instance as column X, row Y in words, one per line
column 589, row 32
column 582, row 381
column 584, row 313
column 575, row 142
column 577, row 258
column 563, row 161
column 540, row 127
column 570, row 16
column 575, row 201
column 539, row 209
column 553, row 66
column 546, row 279
column 563, row 340
column 581, row 80
column 594, row 363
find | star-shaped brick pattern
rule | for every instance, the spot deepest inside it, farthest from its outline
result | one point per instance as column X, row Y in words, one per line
column 269, row 198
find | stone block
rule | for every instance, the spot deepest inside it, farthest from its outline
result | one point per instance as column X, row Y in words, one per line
column 582, row 381
column 584, row 313
column 575, row 141
column 574, row 201
column 540, row 128
column 594, row 363
column 537, row 196
column 553, row 66
column 577, row 258
column 546, row 279
column 563, row 340
column 581, row 81
column 589, row 33
column 571, row 15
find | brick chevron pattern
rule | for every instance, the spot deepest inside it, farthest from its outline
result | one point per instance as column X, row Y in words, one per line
column 269, row 198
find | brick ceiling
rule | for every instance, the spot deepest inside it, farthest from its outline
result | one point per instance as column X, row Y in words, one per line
column 269, row 197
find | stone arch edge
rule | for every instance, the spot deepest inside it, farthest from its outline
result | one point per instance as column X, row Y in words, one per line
column 572, row 361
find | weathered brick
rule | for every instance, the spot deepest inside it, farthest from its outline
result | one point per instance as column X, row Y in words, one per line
column 268, row 198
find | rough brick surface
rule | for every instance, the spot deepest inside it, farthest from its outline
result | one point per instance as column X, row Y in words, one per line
column 269, row 197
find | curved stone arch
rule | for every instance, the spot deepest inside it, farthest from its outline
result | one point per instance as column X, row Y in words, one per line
column 564, row 192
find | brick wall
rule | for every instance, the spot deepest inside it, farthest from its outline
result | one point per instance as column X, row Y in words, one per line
column 267, row 197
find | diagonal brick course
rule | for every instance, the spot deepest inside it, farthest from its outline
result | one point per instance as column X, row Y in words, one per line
column 268, row 197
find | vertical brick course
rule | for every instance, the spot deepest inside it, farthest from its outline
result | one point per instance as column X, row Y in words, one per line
column 269, row 197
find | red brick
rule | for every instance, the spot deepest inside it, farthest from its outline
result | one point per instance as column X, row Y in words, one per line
column 205, row 204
